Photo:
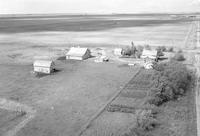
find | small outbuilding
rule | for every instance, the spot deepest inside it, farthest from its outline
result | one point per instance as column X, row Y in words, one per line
column 101, row 59
column 149, row 54
column 118, row 51
column 43, row 66
column 77, row 53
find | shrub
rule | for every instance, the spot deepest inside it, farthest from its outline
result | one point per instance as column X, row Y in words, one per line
column 161, row 48
column 179, row 57
column 180, row 51
column 170, row 49
column 160, row 52
column 133, row 49
column 146, row 120
column 128, row 51
column 147, row 47
column 154, row 100
column 139, row 50
column 138, row 54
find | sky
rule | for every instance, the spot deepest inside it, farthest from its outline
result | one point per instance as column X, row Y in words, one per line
column 97, row 6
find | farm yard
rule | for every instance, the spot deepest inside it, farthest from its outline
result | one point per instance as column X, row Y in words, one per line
column 63, row 102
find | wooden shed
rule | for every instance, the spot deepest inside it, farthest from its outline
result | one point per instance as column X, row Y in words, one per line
column 43, row 66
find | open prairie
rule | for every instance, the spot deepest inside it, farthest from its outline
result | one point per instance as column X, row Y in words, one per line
column 28, row 36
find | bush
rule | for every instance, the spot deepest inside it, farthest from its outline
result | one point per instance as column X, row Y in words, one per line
column 126, row 51
column 133, row 49
column 170, row 49
column 161, row 48
column 146, row 120
column 139, row 50
column 129, row 51
column 147, row 47
column 180, row 51
column 179, row 57
column 160, row 52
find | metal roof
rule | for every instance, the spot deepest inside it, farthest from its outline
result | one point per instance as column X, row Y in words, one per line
column 149, row 54
column 77, row 51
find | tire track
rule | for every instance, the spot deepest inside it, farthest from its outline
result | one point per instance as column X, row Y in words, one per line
column 17, row 107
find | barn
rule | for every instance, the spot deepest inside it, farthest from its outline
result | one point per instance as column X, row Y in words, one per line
column 78, row 53
column 43, row 66
column 149, row 54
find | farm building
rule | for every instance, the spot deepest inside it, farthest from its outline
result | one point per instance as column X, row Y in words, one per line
column 149, row 54
column 101, row 59
column 78, row 53
column 43, row 66
column 118, row 51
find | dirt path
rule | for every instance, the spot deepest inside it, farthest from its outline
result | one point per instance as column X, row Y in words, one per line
column 197, row 66
column 18, row 107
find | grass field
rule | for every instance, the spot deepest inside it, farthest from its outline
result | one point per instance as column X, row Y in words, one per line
column 64, row 101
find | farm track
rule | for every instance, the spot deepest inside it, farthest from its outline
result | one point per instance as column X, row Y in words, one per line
column 197, row 66
column 191, row 41
column 17, row 107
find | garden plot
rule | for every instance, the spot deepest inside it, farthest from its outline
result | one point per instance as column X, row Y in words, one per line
column 120, row 114
column 130, row 93
column 144, row 75
column 111, row 124
column 134, row 94
column 124, row 104
column 139, row 85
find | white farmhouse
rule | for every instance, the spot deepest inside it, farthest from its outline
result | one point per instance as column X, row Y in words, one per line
column 43, row 66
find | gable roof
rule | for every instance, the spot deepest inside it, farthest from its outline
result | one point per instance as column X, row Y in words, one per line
column 43, row 63
column 79, row 52
column 152, row 54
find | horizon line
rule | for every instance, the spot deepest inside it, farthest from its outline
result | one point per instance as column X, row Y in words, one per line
column 198, row 12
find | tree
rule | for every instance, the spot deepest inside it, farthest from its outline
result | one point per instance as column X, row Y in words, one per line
column 126, row 51
column 139, row 50
column 147, row 47
column 133, row 49
column 170, row 49
column 170, row 80
column 179, row 57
